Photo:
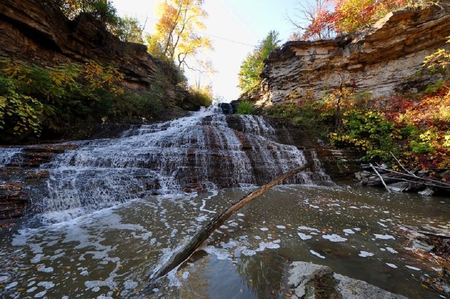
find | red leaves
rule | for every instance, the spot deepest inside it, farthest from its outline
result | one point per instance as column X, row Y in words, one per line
column 347, row 16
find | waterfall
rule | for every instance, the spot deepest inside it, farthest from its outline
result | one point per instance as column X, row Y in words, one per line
column 200, row 152
column 9, row 155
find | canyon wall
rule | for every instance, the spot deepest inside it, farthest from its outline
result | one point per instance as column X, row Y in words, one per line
column 33, row 30
column 382, row 59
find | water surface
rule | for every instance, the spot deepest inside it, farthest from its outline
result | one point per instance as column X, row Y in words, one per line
column 110, row 253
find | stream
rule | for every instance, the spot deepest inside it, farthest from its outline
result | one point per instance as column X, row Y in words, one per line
column 97, row 233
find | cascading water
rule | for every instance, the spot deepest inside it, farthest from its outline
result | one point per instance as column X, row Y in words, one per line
column 195, row 153
column 7, row 155
column 111, row 252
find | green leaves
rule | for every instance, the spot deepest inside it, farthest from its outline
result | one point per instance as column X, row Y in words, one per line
column 253, row 64
column 19, row 114
column 31, row 94
column 367, row 130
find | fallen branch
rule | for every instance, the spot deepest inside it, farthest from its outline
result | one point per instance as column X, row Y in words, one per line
column 381, row 178
column 406, row 170
column 182, row 255
column 431, row 182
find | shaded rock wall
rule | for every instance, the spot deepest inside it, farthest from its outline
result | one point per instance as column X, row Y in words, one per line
column 34, row 30
column 377, row 60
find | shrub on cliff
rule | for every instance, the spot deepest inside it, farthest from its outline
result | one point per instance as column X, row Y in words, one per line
column 245, row 107
column 37, row 99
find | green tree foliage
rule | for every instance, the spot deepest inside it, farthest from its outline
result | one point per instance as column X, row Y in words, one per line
column 19, row 114
column 33, row 95
column 102, row 10
column 126, row 28
column 129, row 30
column 253, row 64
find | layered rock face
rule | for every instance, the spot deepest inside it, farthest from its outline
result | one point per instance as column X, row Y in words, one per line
column 377, row 60
column 34, row 30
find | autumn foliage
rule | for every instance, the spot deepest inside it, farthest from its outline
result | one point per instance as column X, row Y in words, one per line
column 347, row 16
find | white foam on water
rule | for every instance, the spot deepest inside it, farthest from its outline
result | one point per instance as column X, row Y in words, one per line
column 384, row 236
column 317, row 254
column 43, row 268
column 308, row 228
column 46, row 284
column 391, row 250
column 268, row 245
column 248, row 252
column 304, row 236
column 348, row 231
column 365, row 254
column 220, row 253
column 392, row 265
column 40, row 294
column 334, row 238
column 412, row 268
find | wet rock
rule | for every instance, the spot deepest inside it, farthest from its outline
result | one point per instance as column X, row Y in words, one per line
column 13, row 200
column 422, row 245
column 308, row 281
column 426, row 192
column 398, row 187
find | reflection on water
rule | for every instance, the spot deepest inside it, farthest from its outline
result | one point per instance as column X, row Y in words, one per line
column 110, row 253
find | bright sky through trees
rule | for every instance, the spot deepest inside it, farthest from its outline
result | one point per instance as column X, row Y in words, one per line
column 235, row 28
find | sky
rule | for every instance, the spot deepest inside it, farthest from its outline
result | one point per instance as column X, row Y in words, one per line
column 235, row 27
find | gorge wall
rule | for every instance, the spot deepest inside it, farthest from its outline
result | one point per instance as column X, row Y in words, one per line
column 33, row 30
column 378, row 59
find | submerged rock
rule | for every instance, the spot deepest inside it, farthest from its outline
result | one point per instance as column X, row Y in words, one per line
column 308, row 281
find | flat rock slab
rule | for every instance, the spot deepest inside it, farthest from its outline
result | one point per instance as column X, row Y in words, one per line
column 307, row 280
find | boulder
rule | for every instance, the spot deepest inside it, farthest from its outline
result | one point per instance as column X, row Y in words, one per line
column 305, row 281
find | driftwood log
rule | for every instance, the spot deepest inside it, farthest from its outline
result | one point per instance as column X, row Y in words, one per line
column 398, row 176
column 182, row 255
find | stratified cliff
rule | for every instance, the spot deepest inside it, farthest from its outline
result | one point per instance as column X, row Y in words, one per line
column 33, row 30
column 378, row 60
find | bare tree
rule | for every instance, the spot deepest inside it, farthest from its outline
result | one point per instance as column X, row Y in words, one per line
column 305, row 19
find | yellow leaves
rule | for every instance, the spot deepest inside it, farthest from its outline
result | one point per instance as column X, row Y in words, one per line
column 438, row 60
column 446, row 140
column 102, row 77
column 174, row 37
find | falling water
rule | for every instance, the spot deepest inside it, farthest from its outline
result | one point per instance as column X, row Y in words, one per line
column 116, row 209
column 200, row 152
column 8, row 154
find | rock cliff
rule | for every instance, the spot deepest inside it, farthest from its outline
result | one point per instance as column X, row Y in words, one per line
column 32, row 30
column 378, row 59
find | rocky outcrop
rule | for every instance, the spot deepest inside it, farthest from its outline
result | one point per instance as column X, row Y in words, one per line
column 21, row 173
column 33, row 30
column 308, row 281
column 377, row 60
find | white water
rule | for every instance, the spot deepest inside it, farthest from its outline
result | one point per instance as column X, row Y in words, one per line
column 112, row 252
column 106, row 229
column 198, row 152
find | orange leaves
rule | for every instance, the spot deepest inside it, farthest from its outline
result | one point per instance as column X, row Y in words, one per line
column 348, row 16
